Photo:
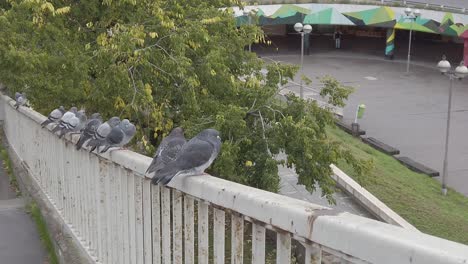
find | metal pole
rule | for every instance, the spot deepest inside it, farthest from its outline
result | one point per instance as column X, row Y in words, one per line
column 409, row 45
column 302, row 64
column 447, row 135
column 250, row 22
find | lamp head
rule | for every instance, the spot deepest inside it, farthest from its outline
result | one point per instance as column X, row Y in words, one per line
column 307, row 29
column 408, row 11
column 417, row 13
column 298, row 27
column 444, row 65
column 461, row 71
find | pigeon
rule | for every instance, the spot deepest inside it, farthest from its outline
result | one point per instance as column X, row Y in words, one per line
column 101, row 133
column 65, row 119
column 120, row 135
column 20, row 99
column 90, row 129
column 75, row 124
column 54, row 116
column 167, row 150
column 193, row 159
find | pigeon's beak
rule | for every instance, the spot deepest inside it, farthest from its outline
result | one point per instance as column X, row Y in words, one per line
column 218, row 137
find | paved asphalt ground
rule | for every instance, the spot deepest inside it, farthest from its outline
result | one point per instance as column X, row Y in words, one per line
column 19, row 243
column 405, row 111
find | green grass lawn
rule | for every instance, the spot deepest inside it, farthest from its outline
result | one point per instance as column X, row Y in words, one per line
column 416, row 197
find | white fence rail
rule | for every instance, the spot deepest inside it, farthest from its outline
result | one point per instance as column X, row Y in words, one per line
column 119, row 217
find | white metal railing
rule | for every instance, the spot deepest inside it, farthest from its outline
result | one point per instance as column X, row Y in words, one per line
column 119, row 217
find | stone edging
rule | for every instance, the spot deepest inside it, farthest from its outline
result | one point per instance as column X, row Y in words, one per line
column 369, row 201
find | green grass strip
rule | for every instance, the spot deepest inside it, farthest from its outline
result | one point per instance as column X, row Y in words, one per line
column 416, row 197
column 42, row 229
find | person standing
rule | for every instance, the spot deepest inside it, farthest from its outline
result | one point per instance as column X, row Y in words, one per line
column 337, row 37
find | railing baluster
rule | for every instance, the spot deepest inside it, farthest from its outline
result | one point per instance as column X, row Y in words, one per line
column 189, row 235
column 102, row 212
column 203, row 233
column 218, row 235
column 313, row 254
column 139, row 217
column 156, row 223
column 283, row 248
column 258, row 244
column 147, row 229
column 177, row 227
column 131, row 216
column 116, row 205
column 166, row 224
column 237, row 239
column 124, row 175
column 109, row 215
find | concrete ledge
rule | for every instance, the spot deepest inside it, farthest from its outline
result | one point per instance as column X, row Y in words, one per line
column 369, row 201
column 67, row 247
column 417, row 167
column 379, row 145
column 347, row 128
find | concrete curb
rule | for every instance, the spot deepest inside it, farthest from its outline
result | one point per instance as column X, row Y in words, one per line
column 369, row 201
column 67, row 247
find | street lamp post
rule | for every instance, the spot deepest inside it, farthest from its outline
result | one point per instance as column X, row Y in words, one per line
column 459, row 73
column 411, row 15
column 248, row 13
column 302, row 29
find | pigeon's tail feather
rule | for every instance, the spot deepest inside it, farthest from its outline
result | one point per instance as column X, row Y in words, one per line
column 92, row 143
column 46, row 122
column 62, row 133
column 81, row 141
column 56, row 128
column 93, row 148
column 152, row 167
column 106, row 147
column 164, row 175
column 167, row 179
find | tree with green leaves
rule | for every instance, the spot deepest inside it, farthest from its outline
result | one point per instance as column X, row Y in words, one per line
column 167, row 63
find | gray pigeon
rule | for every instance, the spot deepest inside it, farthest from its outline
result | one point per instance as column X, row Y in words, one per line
column 75, row 124
column 54, row 116
column 119, row 135
column 20, row 99
column 65, row 119
column 90, row 129
column 193, row 159
column 167, row 150
column 101, row 133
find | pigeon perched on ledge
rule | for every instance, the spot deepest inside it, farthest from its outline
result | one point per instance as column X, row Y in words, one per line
column 193, row 159
column 120, row 135
column 167, row 150
column 66, row 118
column 54, row 116
column 75, row 124
column 90, row 129
column 20, row 99
column 101, row 133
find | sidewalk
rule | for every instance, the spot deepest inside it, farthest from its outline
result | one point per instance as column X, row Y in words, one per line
column 19, row 240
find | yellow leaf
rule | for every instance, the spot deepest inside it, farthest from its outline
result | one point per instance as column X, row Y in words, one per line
column 89, row 24
column 63, row 10
column 248, row 163
column 213, row 72
column 47, row 7
column 153, row 34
